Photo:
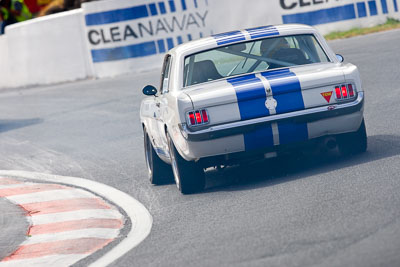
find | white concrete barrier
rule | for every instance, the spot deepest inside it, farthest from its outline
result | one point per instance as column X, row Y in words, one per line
column 112, row 37
column 4, row 63
column 46, row 50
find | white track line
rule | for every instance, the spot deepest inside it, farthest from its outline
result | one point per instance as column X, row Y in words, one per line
column 75, row 215
column 105, row 233
column 139, row 215
column 57, row 194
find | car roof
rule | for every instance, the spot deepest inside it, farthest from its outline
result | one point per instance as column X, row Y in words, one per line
column 239, row 36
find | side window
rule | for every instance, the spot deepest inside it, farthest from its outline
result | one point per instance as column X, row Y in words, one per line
column 165, row 74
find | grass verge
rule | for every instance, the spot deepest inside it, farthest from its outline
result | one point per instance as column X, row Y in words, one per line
column 388, row 25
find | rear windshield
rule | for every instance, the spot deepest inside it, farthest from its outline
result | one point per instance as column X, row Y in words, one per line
column 259, row 55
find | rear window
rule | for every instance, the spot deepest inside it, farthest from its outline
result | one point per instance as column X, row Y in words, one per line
column 259, row 55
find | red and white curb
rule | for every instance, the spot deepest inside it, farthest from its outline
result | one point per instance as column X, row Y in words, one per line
column 68, row 224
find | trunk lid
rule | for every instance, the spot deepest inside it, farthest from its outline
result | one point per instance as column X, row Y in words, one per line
column 267, row 93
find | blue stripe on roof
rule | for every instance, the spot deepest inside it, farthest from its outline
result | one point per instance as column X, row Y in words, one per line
column 229, row 37
column 116, row 15
column 384, row 7
column 362, row 9
column 262, row 32
column 172, row 5
column 322, row 16
column 162, row 8
column 124, row 52
column 373, row 11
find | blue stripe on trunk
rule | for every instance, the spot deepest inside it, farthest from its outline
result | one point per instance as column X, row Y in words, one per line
column 286, row 89
column 229, row 37
column 250, row 95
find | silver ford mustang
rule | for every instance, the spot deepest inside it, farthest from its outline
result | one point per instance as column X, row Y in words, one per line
column 248, row 94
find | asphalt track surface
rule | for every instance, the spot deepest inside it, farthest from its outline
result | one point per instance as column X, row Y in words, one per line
column 292, row 211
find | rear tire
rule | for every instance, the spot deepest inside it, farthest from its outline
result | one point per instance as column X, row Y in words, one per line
column 355, row 142
column 189, row 176
column 159, row 172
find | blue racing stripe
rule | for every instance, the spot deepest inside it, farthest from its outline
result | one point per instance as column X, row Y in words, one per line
column 396, row 9
column 130, row 51
column 262, row 32
column 229, row 37
column 322, row 16
column 286, row 90
column 290, row 132
column 251, row 96
column 117, row 15
column 258, row 139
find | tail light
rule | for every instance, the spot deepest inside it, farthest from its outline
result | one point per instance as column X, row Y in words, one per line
column 344, row 91
column 198, row 117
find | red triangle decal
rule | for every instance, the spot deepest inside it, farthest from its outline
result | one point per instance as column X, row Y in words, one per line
column 327, row 96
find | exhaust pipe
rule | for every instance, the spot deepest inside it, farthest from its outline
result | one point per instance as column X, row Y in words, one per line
column 330, row 143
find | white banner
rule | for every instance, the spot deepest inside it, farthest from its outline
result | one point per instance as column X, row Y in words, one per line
column 125, row 36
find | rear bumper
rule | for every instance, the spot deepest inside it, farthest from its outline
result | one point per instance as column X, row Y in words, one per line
column 302, row 116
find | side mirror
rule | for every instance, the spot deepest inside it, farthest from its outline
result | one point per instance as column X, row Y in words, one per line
column 340, row 58
column 149, row 90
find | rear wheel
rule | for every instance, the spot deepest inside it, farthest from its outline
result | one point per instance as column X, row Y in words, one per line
column 159, row 172
column 189, row 176
column 355, row 142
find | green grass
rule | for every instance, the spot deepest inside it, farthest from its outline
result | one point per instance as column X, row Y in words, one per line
column 388, row 25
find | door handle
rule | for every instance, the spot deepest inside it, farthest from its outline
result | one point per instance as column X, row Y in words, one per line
column 158, row 104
